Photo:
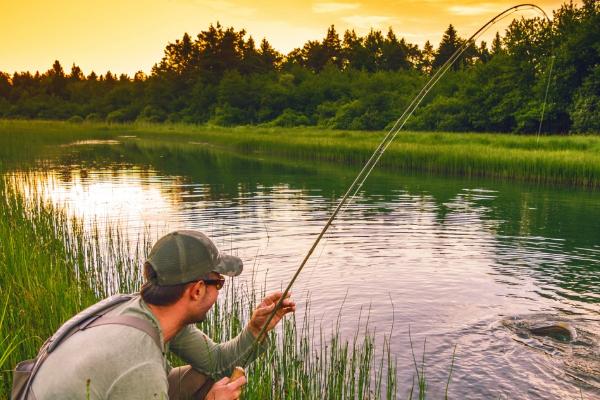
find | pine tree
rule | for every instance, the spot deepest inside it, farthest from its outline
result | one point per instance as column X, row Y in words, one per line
column 353, row 50
column 449, row 44
column 269, row 57
column 394, row 53
column 76, row 73
column 483, row 54
column 427, row 57
column 332, row 48
column 496, row 45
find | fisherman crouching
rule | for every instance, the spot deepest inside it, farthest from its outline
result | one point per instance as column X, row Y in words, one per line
column 120, row 351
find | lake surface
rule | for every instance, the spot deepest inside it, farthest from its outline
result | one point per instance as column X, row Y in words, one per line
column 455, row 261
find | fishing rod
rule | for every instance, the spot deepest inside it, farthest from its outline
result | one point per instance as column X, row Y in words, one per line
column 383, row 145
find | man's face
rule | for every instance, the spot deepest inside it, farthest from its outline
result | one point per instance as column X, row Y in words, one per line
column 206, row 302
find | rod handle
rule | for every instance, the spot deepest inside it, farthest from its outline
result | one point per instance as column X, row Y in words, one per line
column 238, row 372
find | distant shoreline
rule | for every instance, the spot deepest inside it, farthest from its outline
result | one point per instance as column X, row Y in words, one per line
column 564, row 160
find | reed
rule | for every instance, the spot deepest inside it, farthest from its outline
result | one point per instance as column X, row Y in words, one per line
column 53, row 267
column 566, row 160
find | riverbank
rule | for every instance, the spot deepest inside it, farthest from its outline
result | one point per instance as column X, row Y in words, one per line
column 564, row 160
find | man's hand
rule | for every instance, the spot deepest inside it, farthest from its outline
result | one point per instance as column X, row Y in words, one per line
column 225, row 389
column 264, row 309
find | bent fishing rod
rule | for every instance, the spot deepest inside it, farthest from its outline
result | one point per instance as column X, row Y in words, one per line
column 383, row 145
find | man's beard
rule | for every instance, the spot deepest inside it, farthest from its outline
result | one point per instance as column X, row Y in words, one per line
column 197, row 319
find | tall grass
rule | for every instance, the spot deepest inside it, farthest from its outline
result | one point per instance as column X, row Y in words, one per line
column 571, row 160
column 52, row 268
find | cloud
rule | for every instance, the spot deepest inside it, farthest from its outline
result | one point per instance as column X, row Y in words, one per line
column 333, row 7
column 484, row 8
column 224, row 6
column 366, row 21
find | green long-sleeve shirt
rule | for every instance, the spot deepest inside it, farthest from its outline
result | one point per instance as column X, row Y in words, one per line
column 121, row 362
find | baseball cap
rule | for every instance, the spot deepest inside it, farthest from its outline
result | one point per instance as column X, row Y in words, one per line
column 185, row 255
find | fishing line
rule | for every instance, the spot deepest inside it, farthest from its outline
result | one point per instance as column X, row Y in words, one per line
column 546, row 95
column 356, row 185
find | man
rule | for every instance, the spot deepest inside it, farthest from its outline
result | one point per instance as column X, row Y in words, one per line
column 183, row 276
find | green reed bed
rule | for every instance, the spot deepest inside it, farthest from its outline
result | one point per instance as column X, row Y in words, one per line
column 568, row 160
column 51, row 267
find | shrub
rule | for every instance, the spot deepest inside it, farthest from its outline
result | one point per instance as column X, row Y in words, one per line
column 586, row 104
column 152, row 114
column 289, row 118
column 228, row 115
column 93, row 117
column 75, row 119
column 120, row 115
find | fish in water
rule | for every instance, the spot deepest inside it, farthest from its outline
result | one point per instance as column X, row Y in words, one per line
column 562, row 331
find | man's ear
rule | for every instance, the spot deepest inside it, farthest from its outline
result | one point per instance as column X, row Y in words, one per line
column 196, row 290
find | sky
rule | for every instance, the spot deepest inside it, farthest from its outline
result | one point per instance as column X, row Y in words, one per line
column 125, row 36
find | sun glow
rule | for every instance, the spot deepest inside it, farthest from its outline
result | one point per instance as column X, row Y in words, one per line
column 125, row 37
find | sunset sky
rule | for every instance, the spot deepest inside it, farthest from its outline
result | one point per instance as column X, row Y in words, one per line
column 125, row 36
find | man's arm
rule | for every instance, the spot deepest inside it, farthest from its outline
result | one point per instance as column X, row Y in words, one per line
column 218, row 360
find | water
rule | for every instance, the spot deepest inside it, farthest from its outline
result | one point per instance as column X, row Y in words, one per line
column 450, row 259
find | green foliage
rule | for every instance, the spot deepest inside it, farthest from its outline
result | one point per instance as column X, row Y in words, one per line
column 93, row 117
column 289, row 118
column 75, row 119
column 585, row 111
column 120, row 115
column 152, row 114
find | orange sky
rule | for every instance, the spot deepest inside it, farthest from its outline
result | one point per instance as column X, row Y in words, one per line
column 130, row 35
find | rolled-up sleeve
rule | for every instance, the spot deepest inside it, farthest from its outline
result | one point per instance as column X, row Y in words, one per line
column 215, row 359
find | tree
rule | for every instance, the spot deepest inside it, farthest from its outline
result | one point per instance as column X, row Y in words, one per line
column 251, row 60
column 394, row 53
column 140, row 76
column 449, row 44
column 179, row 58
column 76, row 73
column 575, row 36
column 483, row 54
column 497, row 45
column 5, row 85
column 585, row 111
column 269, row 57
column 373, row 46
column 315, row 55
column 109, row 77
column 58, row 81
column 353, row 51
column 332, row 48
column 427, row 57
column 219, row 50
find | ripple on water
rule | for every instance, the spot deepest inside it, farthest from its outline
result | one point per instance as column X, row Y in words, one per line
column 454, row 262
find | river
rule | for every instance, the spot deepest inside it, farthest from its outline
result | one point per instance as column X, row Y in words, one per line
column 450, row 259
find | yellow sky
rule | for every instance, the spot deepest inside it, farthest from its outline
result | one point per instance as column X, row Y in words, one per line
column 130, row 35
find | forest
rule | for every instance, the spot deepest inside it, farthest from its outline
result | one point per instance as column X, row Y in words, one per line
column 344, row 81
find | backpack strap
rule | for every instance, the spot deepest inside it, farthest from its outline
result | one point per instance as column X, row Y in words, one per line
column 134, row 322
column 91, row 316
column 83, row 318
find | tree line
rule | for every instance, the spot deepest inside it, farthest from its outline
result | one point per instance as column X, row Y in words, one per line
column 346, row 81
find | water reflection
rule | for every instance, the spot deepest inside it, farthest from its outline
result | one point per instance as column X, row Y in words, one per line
column 451, row 258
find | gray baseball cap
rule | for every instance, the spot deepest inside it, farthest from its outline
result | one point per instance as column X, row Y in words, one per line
column 184, row 256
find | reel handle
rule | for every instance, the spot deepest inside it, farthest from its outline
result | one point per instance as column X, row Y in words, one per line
column 238, row 372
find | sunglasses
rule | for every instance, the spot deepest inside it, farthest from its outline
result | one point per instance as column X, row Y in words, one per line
column 218, row 283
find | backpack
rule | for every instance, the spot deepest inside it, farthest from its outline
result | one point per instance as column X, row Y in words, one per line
column 92, row 316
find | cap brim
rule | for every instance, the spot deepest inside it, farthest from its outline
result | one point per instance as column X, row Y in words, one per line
column 229, row 265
